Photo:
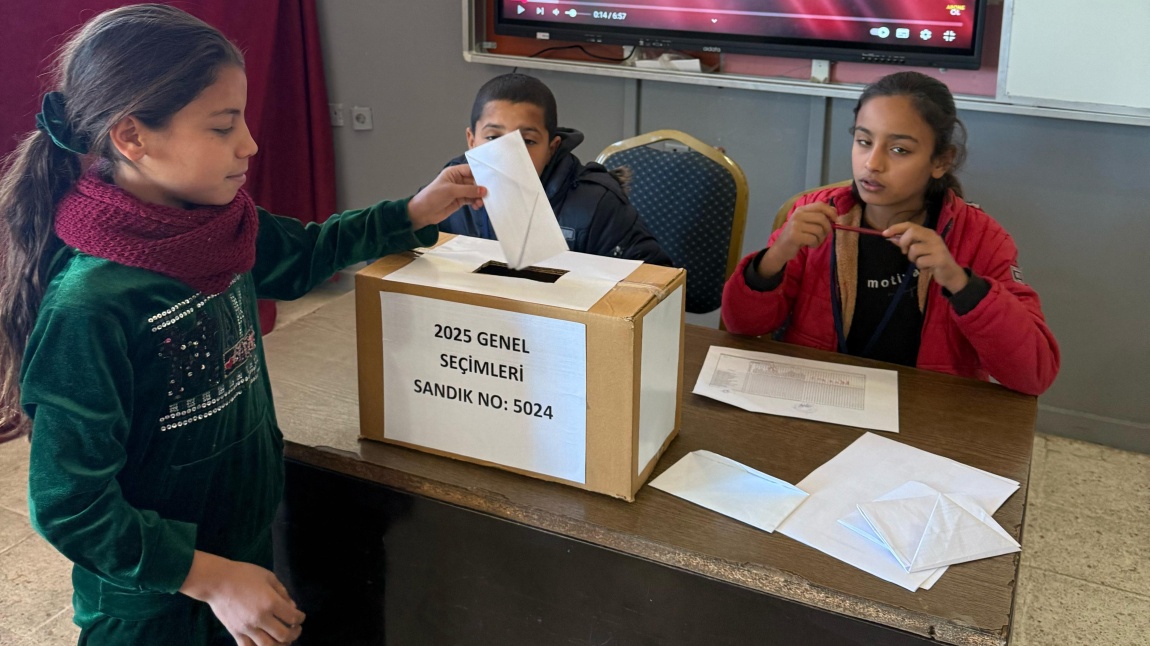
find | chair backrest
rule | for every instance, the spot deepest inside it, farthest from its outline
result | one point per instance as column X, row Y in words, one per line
column 785, row 209
column 693, row 198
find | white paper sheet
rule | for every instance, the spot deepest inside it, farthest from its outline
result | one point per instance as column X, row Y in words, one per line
column 732, row 489
column 816, row 390
column 452, row 266
column 867, row 469
column 516, row 202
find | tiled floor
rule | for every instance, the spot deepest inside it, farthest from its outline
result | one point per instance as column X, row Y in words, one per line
column 1084, row 580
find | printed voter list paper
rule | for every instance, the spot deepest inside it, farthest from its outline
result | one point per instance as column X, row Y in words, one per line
column 732, row 489
column 824, row 392
column 516, row 202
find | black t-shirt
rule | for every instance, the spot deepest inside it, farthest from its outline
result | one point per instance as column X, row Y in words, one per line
column 882, row 268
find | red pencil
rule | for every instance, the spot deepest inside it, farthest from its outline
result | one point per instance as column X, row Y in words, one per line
column 869, row 232
column 843, row 227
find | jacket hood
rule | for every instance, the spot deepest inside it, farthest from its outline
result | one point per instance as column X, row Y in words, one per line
column 564, row 166
column 569, row 139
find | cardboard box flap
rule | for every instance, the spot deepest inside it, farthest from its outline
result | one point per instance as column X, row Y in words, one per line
column 642, row 289
column 572, row 281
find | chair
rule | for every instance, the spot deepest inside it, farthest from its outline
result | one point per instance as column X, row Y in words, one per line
column 785, row 209
column 693, row 198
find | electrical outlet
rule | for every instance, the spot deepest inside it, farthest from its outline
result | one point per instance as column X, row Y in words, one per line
column 335, row 110
column 821, row 70
column 360, row 118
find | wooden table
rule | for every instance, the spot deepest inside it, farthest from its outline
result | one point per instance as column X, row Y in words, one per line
column 382, row 544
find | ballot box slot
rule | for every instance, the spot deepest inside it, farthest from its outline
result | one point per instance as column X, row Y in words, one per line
column 538, row 274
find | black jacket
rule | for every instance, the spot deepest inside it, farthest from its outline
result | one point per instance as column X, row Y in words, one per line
column 592, row 209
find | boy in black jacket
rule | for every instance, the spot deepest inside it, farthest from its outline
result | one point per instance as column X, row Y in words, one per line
column 592, row 208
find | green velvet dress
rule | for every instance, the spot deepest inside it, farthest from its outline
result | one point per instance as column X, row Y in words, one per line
column 154, row 433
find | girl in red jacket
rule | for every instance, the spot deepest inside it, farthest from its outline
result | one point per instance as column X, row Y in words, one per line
column 926, row 279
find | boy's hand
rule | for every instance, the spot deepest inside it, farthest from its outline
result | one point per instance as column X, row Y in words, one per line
column 926, row 250
column 453, row 188
column 247, row 599
column 809, row 226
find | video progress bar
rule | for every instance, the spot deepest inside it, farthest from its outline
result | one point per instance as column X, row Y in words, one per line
column 735, row 12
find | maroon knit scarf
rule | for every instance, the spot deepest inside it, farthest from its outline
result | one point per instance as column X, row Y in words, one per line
column 204, row 247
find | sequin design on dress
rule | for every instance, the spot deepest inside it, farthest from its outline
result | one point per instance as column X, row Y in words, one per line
column 209, row 345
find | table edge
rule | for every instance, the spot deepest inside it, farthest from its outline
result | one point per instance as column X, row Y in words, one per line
column 756, row 577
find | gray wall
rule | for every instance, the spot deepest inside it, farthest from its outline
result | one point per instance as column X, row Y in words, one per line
column 1064, row 189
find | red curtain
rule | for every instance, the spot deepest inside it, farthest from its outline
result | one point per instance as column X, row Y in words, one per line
column 294, row 172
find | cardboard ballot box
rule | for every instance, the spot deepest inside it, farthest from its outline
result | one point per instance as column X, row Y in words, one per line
column 463, row 357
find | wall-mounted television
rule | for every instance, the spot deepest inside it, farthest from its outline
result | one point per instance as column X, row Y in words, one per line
column 927, row 33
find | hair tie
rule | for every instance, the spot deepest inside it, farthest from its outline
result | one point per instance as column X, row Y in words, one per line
column 53, row 120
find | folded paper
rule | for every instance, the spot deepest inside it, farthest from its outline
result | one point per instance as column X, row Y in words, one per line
column 732, row 489
column 866, row 470
column 516, row 202
column 925, row 529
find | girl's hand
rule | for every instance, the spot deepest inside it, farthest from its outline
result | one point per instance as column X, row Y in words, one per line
column 247, row 599
column 453, row 188
column 926, row 250
column 809, row 226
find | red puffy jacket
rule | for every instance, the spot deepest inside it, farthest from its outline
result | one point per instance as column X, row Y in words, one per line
column 1004, row 336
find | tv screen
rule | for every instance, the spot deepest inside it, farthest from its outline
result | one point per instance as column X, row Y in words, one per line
column 928, row 33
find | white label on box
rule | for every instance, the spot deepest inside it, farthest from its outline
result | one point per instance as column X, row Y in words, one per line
column 493, row 385
column 659, row 383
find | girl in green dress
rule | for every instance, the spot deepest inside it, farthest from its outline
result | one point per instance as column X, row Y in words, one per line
column 130, row 339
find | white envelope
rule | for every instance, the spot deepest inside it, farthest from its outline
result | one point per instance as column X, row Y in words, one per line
column 516, row 202
column 925, row 529
column 732, row 489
